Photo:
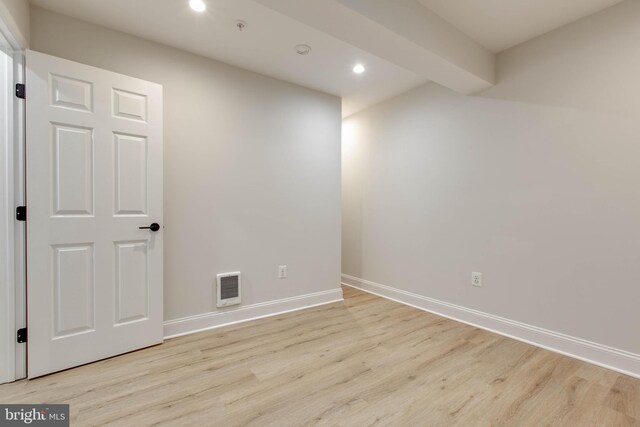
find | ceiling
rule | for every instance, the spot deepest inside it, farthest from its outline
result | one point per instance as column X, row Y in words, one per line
column 266, row 46
column 402, row 43
column 501, row 24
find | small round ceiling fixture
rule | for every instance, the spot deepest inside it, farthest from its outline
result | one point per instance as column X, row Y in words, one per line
column 240, row 25
column 303, row 49
column 358, row 69
column 198, row 5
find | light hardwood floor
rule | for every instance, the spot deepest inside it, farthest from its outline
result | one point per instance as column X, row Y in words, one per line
column 367, row 361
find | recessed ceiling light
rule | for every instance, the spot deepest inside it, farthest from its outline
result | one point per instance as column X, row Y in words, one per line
column 198, row 5
column 303, row 49
column 358, row 69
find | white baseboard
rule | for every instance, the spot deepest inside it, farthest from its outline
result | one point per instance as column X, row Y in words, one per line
column 597, row 354
column 229, row 316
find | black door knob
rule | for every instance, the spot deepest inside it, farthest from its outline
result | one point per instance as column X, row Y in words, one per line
column 153, row 227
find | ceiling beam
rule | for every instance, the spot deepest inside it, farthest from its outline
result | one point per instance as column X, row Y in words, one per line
column 403, row 32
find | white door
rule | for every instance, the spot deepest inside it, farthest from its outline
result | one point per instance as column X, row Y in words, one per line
column 94, row 177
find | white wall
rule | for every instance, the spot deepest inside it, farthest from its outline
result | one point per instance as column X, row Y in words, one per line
column 251, row 173
column 14, row 14
column 535, row 183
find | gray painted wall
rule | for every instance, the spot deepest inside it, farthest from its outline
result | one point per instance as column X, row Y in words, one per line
column 535, row 183
column 15, row 15
column 251, row 173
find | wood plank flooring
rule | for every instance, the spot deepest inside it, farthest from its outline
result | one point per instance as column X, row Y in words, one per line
column 367, row 361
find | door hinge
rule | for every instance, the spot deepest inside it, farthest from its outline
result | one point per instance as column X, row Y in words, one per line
column 21, row 213
column 21, row 91
column 21, row 336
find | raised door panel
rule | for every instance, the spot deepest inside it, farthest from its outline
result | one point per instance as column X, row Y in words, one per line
column 73, row 289
column 132, row 282
column 130, row 174
column 129, row 105
column 72, row 169
column 71, row 93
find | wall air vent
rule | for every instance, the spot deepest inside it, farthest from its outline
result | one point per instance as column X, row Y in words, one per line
column 228, row 289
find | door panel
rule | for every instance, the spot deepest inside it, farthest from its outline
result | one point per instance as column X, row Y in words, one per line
column 67, row 92
column 129, row 105
column 73, row 290
column 132, row 285
column 94, row 176
column 72, row 170
column 130, row 174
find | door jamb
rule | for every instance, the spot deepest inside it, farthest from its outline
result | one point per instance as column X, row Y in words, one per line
column 20, row 228
column 13, row 244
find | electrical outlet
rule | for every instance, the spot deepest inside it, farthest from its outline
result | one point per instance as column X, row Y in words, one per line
column 282, row 272
column 476, row 279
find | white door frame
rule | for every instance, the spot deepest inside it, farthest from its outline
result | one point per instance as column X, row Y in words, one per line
column 20, row 229
column 12, row 232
